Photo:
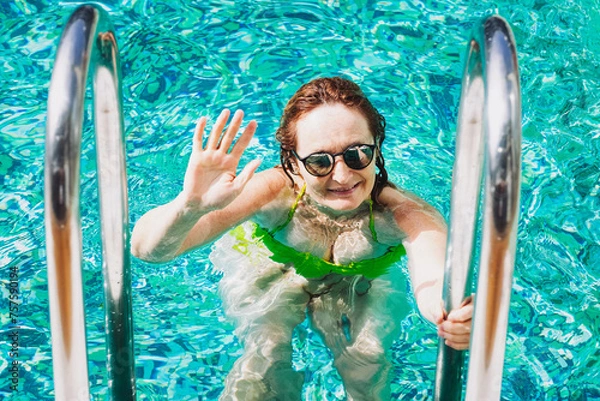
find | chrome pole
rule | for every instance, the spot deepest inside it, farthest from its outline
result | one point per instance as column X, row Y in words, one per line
column 488, row 143
column 466, row 187
column 88, row 41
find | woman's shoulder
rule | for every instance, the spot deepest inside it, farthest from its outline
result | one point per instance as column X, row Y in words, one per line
column 393, row 197
column 272, row 180
column 281, row 196
column 411, row 214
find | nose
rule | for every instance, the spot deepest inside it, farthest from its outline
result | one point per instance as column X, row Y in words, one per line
column 341, row 172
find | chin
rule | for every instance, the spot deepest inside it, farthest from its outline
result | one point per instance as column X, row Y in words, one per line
column 344, row 204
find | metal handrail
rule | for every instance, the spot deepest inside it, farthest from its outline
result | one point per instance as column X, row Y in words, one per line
column 489, row 143
column 88, row 41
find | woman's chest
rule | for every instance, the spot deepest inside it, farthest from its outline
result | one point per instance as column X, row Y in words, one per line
column 340, row 240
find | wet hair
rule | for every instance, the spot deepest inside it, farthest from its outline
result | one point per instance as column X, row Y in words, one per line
column 322, row 91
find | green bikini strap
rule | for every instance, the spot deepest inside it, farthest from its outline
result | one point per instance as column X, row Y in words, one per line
column 372, row 220
column 292, row 210
column 297, row 202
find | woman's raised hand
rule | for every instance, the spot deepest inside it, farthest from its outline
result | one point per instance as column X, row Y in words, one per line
column 210, row 181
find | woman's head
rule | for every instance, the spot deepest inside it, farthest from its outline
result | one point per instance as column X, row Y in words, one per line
column 330, row 92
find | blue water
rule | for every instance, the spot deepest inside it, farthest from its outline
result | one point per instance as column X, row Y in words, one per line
column 184, row 59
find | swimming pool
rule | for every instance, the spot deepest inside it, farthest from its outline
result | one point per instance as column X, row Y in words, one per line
column 181, row 60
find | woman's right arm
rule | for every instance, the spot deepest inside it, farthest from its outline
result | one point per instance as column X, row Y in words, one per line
column 213, row 198
column 172, row 229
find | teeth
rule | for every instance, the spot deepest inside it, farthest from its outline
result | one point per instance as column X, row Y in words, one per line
column 344, row 189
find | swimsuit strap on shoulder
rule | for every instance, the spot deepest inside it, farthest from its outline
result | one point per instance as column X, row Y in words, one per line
column 372, row 221
column 292, row 210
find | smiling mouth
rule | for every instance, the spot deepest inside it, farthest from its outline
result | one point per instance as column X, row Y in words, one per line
column 345, row 190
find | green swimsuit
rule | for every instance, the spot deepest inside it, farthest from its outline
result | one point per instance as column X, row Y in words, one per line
column 311, row 266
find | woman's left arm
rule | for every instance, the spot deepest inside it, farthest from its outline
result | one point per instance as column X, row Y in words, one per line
column 425, row 245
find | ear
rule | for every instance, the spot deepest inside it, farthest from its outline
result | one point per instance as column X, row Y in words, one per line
column 290, row 164
column 293, row 166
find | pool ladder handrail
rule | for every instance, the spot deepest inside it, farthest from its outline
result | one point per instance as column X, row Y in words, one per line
column 88, row 41
column 488, row 142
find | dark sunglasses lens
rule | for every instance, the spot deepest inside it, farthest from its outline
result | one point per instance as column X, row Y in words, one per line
column 358, row 157
column 318, row 164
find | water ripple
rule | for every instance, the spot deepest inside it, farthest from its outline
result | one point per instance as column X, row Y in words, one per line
column 183, row 59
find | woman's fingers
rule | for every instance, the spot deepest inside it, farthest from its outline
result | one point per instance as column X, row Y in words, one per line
column 199, row 134
column 462, row 314
column 455, row 335
column 215, row 133
column 456, row 329
column 439, row 314
column 460, row 343
column 244, row 176
column 244, row 139
column 219, row 141
column 232, row 130
column 458, row 322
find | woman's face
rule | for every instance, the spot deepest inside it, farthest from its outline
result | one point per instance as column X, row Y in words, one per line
column 332, row 128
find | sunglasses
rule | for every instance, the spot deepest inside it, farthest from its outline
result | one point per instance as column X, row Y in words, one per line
column 357, row 157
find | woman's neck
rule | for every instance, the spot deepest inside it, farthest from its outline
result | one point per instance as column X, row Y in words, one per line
column 337, row 215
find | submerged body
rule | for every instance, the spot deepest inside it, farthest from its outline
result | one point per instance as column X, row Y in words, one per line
column 318, row 236
column 357, row 317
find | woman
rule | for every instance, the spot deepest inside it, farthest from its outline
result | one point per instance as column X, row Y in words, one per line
column 318, row 235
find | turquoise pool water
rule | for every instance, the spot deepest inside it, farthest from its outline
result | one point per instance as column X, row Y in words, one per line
column 183, row 59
